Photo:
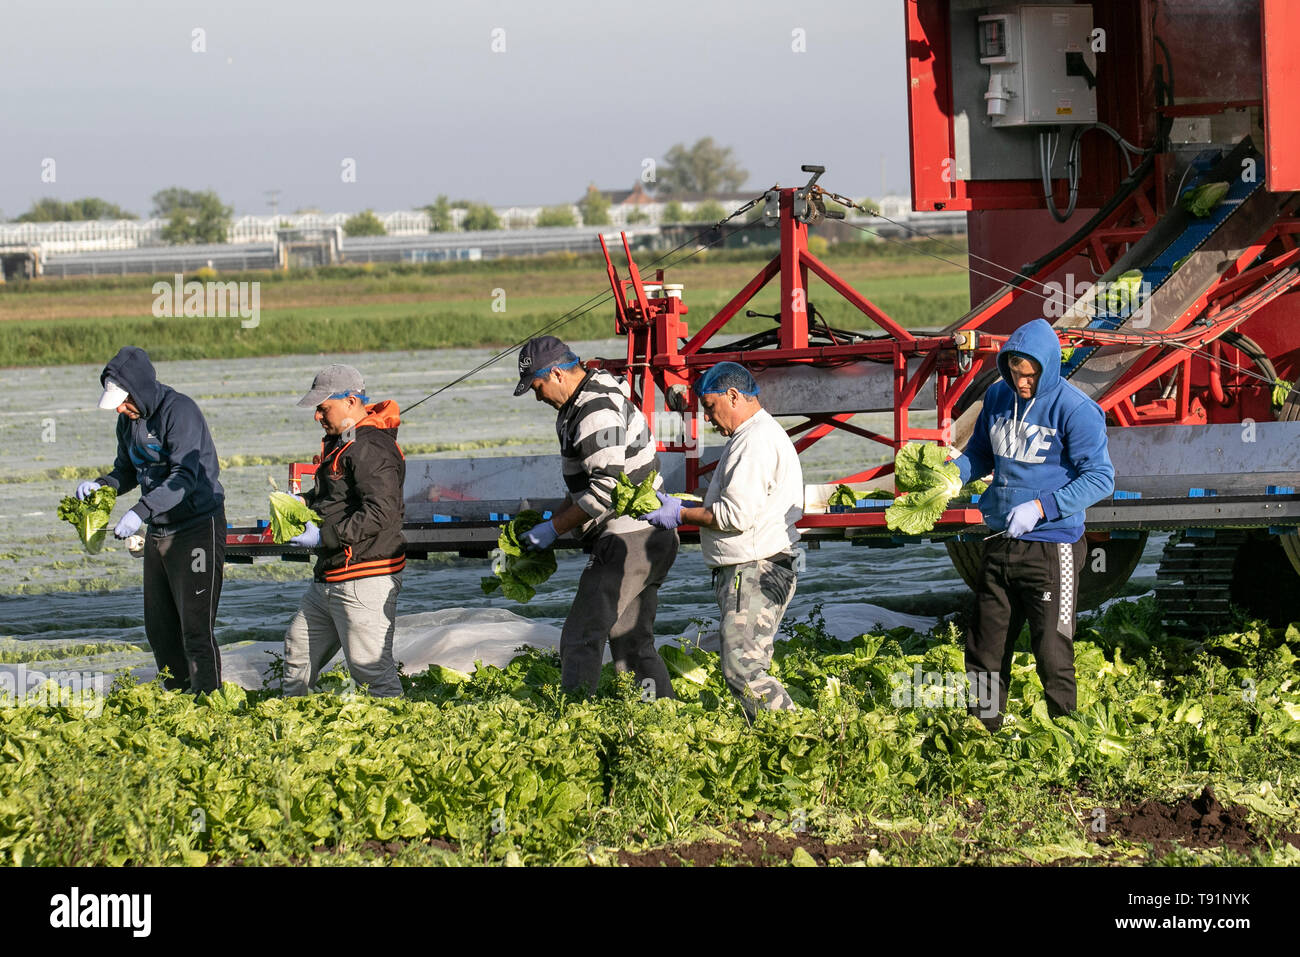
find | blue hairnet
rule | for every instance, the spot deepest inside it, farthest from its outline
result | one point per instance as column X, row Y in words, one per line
column 568, row 361
column 724, row 376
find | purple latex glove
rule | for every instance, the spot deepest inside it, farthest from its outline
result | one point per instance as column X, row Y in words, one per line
column 1022, row 519
column 309, row 538
column 667, row 515
column 129, row 525
column 539, row 537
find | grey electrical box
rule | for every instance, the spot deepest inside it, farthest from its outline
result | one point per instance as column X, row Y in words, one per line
column 1042, row 71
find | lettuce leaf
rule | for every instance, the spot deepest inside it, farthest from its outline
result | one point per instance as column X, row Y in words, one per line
column 920, row 466
column 517, row 572
column 1124, row 290
column 843, row 495
column 89, row 516
column 1281, row 390
column 289, row 517
column 928, row 480
column 635, row 500
column 1202, row 200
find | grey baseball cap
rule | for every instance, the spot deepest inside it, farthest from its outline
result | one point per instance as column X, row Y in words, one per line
column 537, row 356
column 334, row 382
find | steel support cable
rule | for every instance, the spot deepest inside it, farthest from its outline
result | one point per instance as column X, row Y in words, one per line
column 967, row 268
column 845, row 201
column 593, row 302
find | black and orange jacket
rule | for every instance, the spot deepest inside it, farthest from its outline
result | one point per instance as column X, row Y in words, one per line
column 358, row 495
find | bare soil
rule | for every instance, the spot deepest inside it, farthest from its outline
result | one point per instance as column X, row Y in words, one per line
column 1199, row 822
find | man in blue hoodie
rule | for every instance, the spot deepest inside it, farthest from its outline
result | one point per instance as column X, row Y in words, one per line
column 164, row 447
column 1045, row 443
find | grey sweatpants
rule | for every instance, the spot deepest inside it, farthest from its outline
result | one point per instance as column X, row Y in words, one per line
column 618, row 595
column 358, row 616
column 752, row 598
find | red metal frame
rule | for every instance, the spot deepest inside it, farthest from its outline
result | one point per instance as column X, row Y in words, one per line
column 1242, row 290
column 658, row 357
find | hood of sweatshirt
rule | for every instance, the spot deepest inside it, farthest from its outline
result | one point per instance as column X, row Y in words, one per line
column 1038, row 341
column 382, row 415
column 132, row 370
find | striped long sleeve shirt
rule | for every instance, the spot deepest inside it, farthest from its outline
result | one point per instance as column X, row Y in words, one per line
column 602, row 435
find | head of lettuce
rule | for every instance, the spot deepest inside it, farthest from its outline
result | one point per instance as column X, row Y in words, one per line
column 89, row 516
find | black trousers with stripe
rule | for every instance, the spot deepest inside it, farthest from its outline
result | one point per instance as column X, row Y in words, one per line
column 182, row 585
column 1034, row 582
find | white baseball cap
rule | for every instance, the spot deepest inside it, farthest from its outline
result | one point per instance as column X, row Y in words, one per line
column 114, row 395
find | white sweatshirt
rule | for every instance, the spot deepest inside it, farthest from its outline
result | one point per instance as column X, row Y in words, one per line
column 756, row 495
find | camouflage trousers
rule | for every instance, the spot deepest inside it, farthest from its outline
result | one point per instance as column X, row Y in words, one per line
column 752, row 599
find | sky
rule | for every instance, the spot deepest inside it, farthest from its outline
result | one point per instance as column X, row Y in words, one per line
column 284, row 93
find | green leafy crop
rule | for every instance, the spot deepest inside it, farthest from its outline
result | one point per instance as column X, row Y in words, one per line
column 1202, row 200
column 517, row 572
column 640, row 500
column 635, row 500
column 289, row 517
column 89, row 516
column 929, row 481
column 1124, row 290
column 843, row 496
column 499, row 766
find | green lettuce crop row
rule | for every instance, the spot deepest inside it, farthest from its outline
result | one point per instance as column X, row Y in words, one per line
column 501, row 765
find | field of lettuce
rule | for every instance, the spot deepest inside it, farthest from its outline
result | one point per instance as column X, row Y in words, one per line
column 881, row 766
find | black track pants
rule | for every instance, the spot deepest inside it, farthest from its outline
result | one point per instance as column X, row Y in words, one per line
column 1034, row 582
column 182, row 585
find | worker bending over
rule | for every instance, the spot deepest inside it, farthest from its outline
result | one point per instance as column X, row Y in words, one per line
column 747, row 530
column 164, row 447
column 602, row 435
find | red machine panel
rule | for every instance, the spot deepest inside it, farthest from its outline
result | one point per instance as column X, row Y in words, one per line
column 1280, row 37
column 1125, row 81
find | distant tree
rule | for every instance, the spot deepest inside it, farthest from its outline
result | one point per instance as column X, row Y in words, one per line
column 461, row 204
column 439, row 215
column 594, row 207
column 705, row 167
column 480, row 216
column 307, row 211
column 193, row 217
column 708, row 212
column 364, row 223
column 870, row 204
column 636, row 216
column 557, row 216
column 673, row 213
column 57, row 211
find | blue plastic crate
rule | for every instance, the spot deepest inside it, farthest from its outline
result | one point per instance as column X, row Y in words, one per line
column 1280, row 490
column 1121, row 495
column 1202, row 493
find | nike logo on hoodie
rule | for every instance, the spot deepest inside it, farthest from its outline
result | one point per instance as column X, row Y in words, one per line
column 1021, row 441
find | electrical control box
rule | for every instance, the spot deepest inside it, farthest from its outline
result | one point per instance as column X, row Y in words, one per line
column 1042, row 68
